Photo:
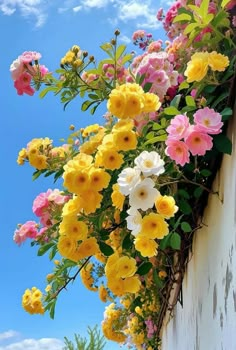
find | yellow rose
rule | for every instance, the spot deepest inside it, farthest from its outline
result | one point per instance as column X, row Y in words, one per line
column 165, row 205
column 197, row 67
column 217, row 61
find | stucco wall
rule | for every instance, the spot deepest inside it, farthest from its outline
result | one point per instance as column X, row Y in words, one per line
column 207, row 320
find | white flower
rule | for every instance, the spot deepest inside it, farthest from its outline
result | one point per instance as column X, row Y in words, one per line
column 150, row 163
column 127, row 179
column 134, row 221
column 143, row 195
column 16, row 68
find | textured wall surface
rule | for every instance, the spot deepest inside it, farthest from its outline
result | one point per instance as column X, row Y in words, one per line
column 207, row 320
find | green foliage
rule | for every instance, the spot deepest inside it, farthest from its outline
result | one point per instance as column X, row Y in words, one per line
column 95, row 341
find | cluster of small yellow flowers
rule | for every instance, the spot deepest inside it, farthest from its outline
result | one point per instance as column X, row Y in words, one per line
column 197, row 67
column 134, row 331
column 73, row 57
column 90, row 146
column 73, row 242
column 121, row 138
column 112, row 322
column 32, row 301
column 120, row 272
column 36, row 153
column 86, row 277
column 103, row 294
column 86, row 180
column 129, row 100
column 41, row 154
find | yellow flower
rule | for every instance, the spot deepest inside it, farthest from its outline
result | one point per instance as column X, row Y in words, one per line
column 117, row 197
column 86, row 277
column 165, row 205
column 134, row 104
column 125, row 140
column 99, row 179
column 87, row 248
column 197, row 67
column 90, row 129
column 76, row 181
column 103, row 294
column 151, row 102
column 116, row 285
column 162, row 274
column 154, row 226
column 90, row 201
column 72, row 207
column 123, row 124
column 116, row 104
column 132, row 284
column 38, row 161
column 67, row 246
column 217, row 61
column 147, row 247
column 70, row 226
column 126, row 267
column 109, row 158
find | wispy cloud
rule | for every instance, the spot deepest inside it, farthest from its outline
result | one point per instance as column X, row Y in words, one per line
column 35, row 344
column 28, row 8
column 140, row 12
column 8, row 334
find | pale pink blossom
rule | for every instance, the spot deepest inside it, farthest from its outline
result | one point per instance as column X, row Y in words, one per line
column 16, row 69
column 27, row 230
column 178, row 127
column 198, row 142
column 177, row 151
column 29, row 56
column 22, row 84
column 208, row 121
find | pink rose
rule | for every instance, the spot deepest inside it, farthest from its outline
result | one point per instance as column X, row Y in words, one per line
column 178, row 127
column 208, row 121
column 177, row 151
column 198, row 142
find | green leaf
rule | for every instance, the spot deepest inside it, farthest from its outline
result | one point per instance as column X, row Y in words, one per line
column 106, row 249
column 184, row 207
column 183, row 194
column 205, row 172
column 127, row 242
column 160, row 138
column 157, row 280
column 52, row 309
column 183, row 85
column 53, row 252
column 226, row 113
column 126, row 58
column 93, row 96
column 140, row 78
column 198, row 192
column 175, row 241
column 221, row 98
column 190, row 28
column 185, row 227
column 156, row 126
column 223, row 143
column 46, row 90
column 43, row 249
column 144, row 268
column 171, row 111
column 86, row 104
column 147, row 87
column 190, row 101
column 182, row 17
column 119, row 51
column 224, row 3
column 176, row 100
column 37, row 173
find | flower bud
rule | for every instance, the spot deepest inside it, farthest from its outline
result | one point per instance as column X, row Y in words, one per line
column 117, row 32
column 113, row 41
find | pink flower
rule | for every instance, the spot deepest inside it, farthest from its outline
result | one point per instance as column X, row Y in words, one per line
column 178, row 127
column 198, row 142
column 208, row 121
column 27, row 230
column 22, row 84
column 29, row 56
column 177, row 151
column 41, row 203
column 16, row 69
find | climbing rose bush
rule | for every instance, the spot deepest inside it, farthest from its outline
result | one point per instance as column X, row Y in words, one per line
column 133, row 189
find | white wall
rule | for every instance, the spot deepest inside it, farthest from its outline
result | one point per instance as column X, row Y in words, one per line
column 207, row 320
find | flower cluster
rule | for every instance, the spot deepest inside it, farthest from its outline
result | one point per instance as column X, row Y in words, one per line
column 184, row 137
column 32, row 301
column 133, row 188
column 24, row 68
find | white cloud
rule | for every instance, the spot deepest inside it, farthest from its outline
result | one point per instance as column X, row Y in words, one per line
column 28, row 8
column 77, row 8
column 95, row 3
column 8, row 334
column 125, row 39
column 35, row 344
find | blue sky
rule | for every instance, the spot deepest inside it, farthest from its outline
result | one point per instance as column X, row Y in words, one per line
column 49, row 27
